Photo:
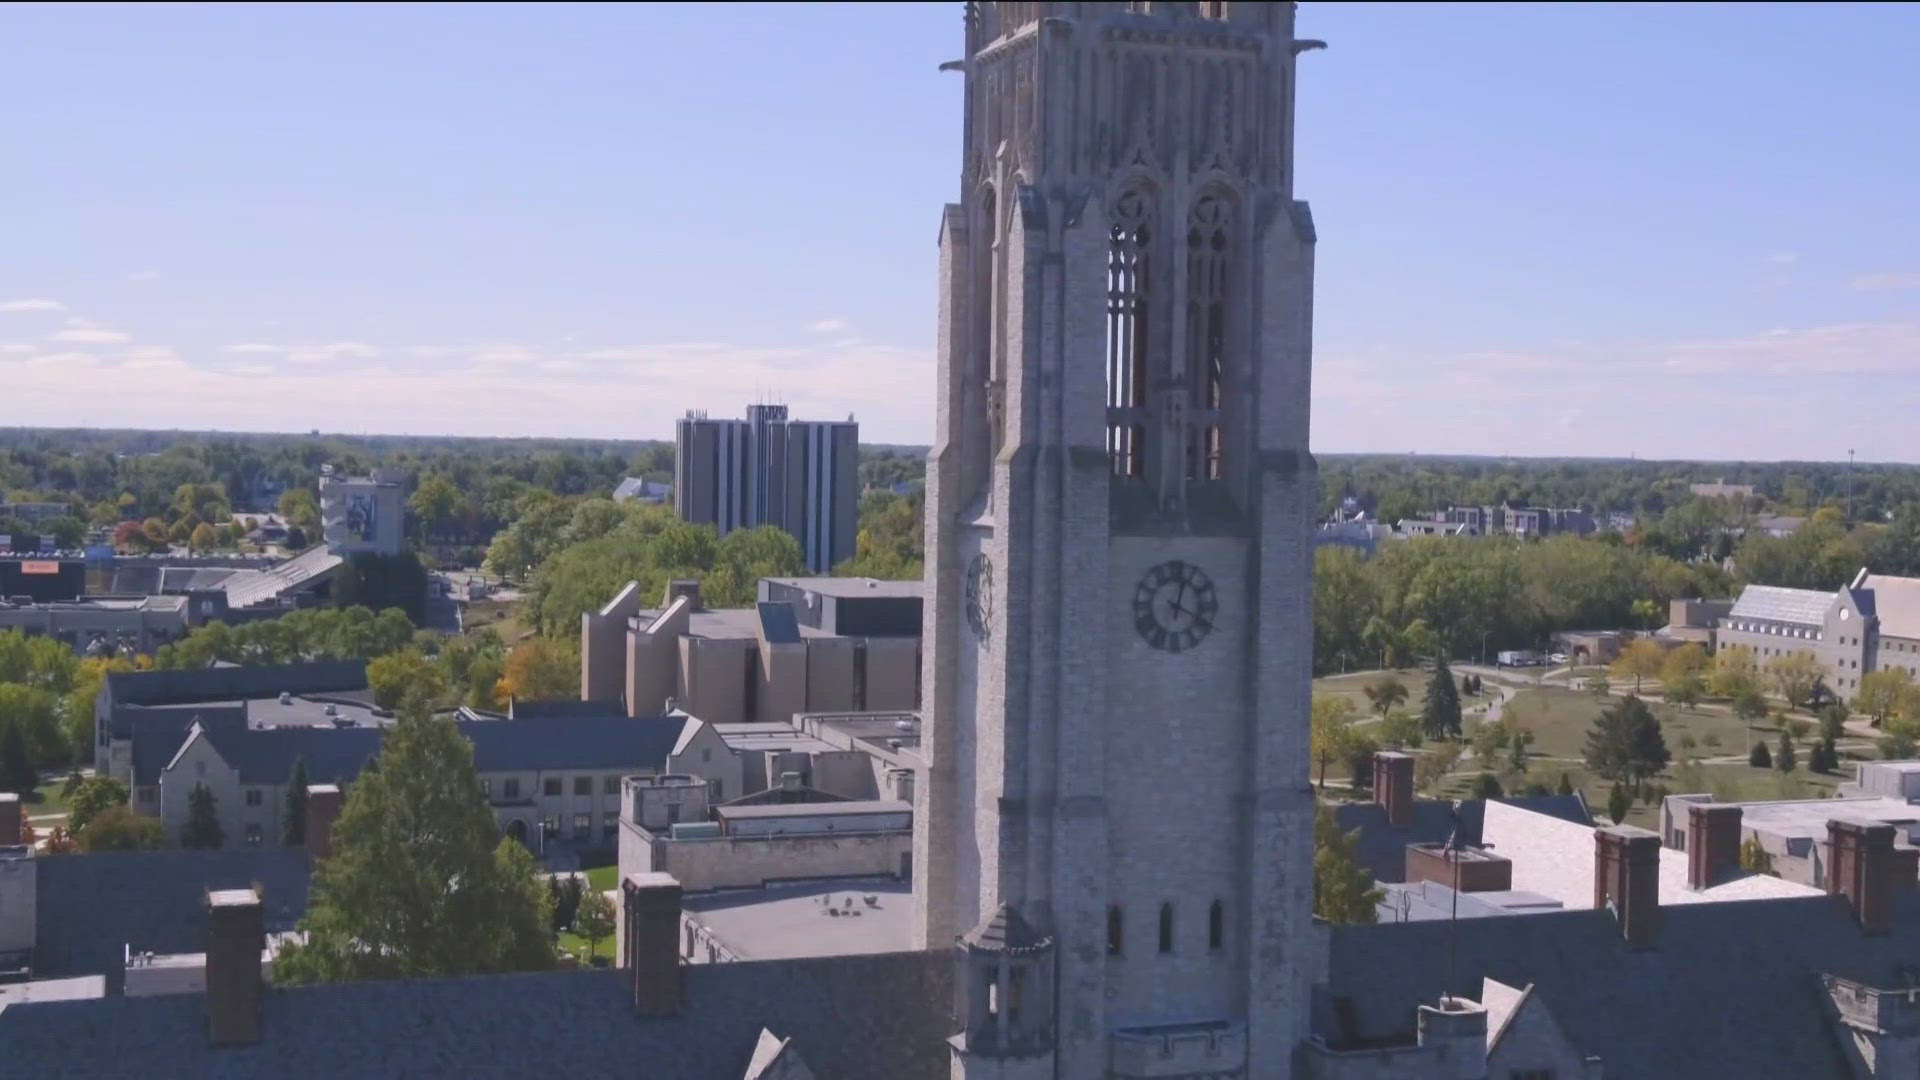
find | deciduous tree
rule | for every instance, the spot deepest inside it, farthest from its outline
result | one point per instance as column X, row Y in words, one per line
column 1883, row 692
column 1342, row 891
column 1642, row 658
column 90, row 797
column 1793, row 676
column 1331, row 729
column 593, row 920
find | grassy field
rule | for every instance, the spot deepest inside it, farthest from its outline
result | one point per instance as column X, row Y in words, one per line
column 501, row 616
column 1709, row 746
column 599, row 879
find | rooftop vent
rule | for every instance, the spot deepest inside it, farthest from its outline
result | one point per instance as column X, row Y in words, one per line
column 286, row 698
column 333, row 710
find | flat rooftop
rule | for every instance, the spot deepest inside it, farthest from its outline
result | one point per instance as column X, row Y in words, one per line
column 850, row 808
column 1809, row 817
column 771, row 737
column 723, row 623
column 82, row 988
column 104, row 603
column 312, row 711
column 785, row 921
column 853, row 586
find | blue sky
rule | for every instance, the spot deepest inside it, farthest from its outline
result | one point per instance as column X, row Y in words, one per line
column 1600, row 230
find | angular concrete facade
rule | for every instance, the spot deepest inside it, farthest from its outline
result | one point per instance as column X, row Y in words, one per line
column 1120, row 504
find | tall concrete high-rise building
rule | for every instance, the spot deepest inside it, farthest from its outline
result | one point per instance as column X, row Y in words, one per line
column 1116, row 822
column 800, row 475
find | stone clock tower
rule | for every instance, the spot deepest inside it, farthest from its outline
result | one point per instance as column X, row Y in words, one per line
column 1114, row 828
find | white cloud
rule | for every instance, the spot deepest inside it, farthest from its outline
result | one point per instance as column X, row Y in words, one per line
column 144, row 275
column 252, row 348
column 36, row 304
column 829, row 326
column 1879, row 282
column 330, row 352
column 90, row 336
column 16, row 348
column 1783, row 258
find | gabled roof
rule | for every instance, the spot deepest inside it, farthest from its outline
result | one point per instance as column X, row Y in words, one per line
column 1381, row 849
column 1896, row 600
column 335, row 755
column 91, row 907
column 1728, row 989
column 873, row 1017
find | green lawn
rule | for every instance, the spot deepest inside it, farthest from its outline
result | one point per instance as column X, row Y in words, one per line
column 1559, row 720
column 602, row 878
column 599, row 879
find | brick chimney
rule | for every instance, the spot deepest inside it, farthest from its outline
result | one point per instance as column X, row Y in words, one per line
column 323, row 808
column 236, row 936
column 1864, row 867
column 1393, row 786
column 11, row 818
column 1626, row 877
column 1713, row 843
column 651, row 913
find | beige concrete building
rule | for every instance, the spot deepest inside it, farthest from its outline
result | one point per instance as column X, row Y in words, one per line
column 808, row 645
column 1872, row 623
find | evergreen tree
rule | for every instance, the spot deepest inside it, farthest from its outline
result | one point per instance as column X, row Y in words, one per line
column 293, row 824
column 1566, row 784
column 1759, row 757
column 1343, row 892
column 1440, row 713
column 553, row 903
column 1648, row 753
column 420, row 883
column 16, row 766
column 1786, row 760
column 202, row 829
column 1618, row 803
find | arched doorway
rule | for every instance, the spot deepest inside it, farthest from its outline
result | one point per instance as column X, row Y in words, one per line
column 517, row 829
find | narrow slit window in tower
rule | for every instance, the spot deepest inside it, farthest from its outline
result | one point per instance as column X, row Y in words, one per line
column 1216, row 928
column 1209, row 259
column 1129, row 281
column 1166, row 928
column 1116, row 931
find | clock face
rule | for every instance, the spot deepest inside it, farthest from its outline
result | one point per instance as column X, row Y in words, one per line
column 980, row 595
column 1174, row 605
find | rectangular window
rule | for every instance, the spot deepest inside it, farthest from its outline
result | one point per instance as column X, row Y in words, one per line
column 553, row 785
column 253, row 796
column 673, row 813
column 612, row 786
column 486, row 789
column 550, row 826
column 511, row 788
column 253, row 836
column 583, row 826
column 716, row 790
column 583, row 785
column 609, row 826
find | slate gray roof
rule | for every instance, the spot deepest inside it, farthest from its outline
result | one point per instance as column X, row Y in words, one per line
column 91, row 907
column 875, row 1017
column 1382, row 849
column 178, row 686
column 597, row 709
column 335, row 755
column 1805, row 607
column 1895, row 600
column 1730, row 989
